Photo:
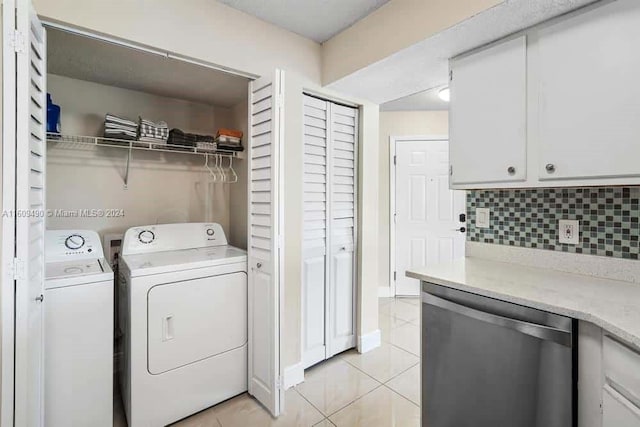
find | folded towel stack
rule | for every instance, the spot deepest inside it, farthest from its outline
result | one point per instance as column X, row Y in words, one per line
column 178, row 137
column 229, row 139
column 119, row 128
column 149, row 131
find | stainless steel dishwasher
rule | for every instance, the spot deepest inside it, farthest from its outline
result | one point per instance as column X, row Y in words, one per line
column 490, row 363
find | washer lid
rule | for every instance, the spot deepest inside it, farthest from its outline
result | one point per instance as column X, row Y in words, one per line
column 185, row 259
column 78, row 272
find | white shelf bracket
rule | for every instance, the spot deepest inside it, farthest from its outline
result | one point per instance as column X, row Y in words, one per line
column 126, row 172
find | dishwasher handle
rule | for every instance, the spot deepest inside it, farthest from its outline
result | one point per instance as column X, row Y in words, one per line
column 542, row 332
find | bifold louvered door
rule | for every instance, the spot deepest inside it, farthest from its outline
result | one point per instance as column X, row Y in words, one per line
column 330, row 141
column 264, row 251
column 24, row 136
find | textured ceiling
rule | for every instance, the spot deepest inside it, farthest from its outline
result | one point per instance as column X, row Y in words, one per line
column 317, row 20
column 424, row 65
column 83, row 58
column 427, row 100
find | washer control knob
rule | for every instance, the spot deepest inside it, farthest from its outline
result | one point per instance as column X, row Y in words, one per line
column 146, row 236
column 210, row 232
column 74, row 242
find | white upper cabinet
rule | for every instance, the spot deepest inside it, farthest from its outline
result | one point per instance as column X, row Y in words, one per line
column 488, row 115
column 560, row 105
column 589, row 94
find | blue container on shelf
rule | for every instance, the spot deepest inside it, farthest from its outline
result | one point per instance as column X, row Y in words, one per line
column 53, row 116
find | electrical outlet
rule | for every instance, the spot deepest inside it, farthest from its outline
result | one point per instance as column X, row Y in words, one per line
column 569, row 231
column 483, row 218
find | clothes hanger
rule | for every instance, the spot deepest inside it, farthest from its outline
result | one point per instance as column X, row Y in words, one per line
column 235, row 175
column 206, row 165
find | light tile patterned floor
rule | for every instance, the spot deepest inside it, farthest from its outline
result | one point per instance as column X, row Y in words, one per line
column 377, row 389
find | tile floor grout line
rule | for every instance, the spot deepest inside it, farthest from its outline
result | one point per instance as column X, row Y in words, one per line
column 396, row 376
column 309, row 402
column 401, row 395
column 356, row 399
column 384, row 382
column 360, row 370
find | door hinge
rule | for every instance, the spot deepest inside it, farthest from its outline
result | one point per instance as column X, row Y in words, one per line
column 450, row 75
column 395, row 276
column 451, row 170
column 18, row 269
column 18, row 41
column 280, row 383
column 395, row 159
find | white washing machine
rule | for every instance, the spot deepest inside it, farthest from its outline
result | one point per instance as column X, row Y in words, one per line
column 78, row 314
column 183, row 312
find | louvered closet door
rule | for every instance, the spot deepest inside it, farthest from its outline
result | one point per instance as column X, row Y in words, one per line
column 30, row 224
column 315, row 230
column 342, row 228
column 264, row 258
column 330, row 135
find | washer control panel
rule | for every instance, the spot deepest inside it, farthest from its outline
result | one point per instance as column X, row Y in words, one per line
column 172, row 237
column 68, row 245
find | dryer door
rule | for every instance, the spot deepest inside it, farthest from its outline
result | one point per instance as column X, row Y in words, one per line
column 196, row 319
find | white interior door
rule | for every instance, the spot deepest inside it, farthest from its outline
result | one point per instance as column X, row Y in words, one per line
column 264, row 251
column 7, row 295
column 341, row 333
column 427, row 222
column 328, row 273
column 315, row 230
column 30, row 219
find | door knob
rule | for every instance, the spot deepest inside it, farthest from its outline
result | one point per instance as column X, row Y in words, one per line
column 511, row 170
column 550, row 167
column 40, row 298
column 258, row 265
column 461, row 229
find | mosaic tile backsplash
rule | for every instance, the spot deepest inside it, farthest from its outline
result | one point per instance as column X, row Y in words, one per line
column 529, row 217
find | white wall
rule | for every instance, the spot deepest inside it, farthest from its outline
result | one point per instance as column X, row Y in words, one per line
column 203, row 29
column 393, row 27
column 399, row 123
column 163, row 187
column 238, row 191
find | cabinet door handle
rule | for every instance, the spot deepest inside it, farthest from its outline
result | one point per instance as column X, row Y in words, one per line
column 259, row 265
column 550, row 167
column 40, row 298
column 461, row 229
column 511, row 170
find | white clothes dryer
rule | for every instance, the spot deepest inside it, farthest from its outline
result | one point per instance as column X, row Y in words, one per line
column 183, row 313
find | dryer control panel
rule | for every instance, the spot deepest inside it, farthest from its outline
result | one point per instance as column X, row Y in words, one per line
column 69, row 245
column 172, row 237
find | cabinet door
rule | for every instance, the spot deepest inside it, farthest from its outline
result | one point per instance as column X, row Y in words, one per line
column 589, row 96
column 618, row 411
column 488, row 115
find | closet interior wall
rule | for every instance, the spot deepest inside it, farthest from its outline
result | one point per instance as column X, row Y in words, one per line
column 163, row 187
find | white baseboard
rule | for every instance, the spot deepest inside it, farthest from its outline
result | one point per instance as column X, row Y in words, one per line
column 293, row 375
column 369, row 341
column 384, row 292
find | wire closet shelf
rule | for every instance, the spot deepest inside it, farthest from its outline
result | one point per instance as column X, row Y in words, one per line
column 74, row 141
column 217, row 169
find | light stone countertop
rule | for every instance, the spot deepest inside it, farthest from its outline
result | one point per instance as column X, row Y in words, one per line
column 611, row 304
